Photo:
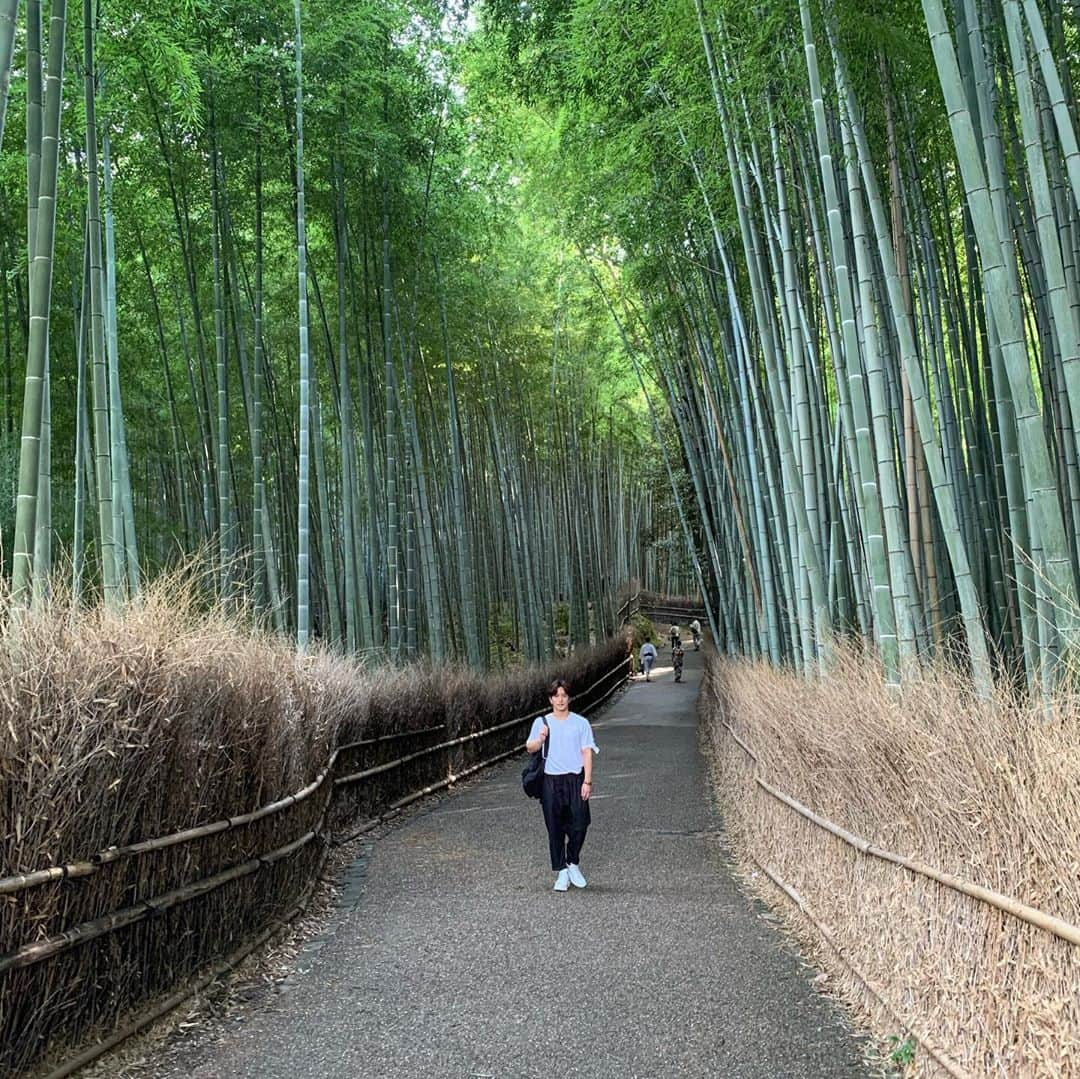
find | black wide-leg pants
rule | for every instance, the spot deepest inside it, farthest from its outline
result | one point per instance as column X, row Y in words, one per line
column 567, row 817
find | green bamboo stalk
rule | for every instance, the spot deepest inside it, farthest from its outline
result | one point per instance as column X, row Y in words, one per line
column 258, row 478
column 9, row 15
column 1054, row 570
column 1056, row 92
column 123, row 501
column 393, row 569
column 40, row 307
column 43, row 527
column 329, row 567
column 303, row 548
column 80, row 293
column 33, row 130
column 225, row 536
column 348, row 493
column 976, row 638
column 99, row 383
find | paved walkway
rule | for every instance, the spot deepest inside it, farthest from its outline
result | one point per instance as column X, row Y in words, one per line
column 456, row 959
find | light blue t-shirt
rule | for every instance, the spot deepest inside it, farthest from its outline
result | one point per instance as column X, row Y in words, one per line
column 567, row 738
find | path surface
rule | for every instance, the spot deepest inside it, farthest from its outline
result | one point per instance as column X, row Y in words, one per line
column 456, row 959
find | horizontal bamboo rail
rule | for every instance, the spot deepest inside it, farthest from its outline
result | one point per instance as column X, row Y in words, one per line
column 928, row 1043
column 163, row 1007
column 741, row 744
column 29, row 954
column 1058, row 926
column 628, row 606
column 633, row 604
column 33, row 953
column 1006, row 904
column 106, row 857
column 428, row 750
column 95, row 862
column 668, row 611
column 397, row 737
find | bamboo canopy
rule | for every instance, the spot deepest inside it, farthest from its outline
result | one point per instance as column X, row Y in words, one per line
column 842, row 247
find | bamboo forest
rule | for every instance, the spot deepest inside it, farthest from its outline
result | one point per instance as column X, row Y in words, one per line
column 355, row 304
column 369, row 364
column 301, row 316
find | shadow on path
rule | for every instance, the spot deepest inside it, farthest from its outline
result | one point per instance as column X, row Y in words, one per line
column 451, row 956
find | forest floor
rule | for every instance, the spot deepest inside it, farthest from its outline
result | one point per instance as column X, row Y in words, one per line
column 448, row 954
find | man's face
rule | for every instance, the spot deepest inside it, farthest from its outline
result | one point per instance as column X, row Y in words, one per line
column 560, row 699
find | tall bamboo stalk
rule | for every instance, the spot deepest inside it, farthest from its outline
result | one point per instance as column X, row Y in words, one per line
column 40, row 309
column 303, row 576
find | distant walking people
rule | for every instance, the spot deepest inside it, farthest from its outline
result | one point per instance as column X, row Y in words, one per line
column 675, row 637
column 677, row 660
column 647, row 656
column 567, row 782
column 695, row 630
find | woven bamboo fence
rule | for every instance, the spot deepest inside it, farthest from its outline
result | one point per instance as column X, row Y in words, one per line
column 95, row 939
column 969, row 950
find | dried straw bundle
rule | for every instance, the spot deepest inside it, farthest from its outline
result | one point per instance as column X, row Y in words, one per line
column 987, row 791
column 118, row 728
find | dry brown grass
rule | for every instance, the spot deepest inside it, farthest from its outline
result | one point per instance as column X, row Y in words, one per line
column 988, row 791
column 121, row 727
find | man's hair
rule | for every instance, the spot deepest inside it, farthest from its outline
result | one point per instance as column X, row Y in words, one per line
column 559, row 683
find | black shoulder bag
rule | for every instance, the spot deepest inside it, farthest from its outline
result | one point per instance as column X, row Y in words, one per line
column 532, row 775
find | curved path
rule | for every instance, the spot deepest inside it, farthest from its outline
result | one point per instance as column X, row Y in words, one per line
column 454, row 957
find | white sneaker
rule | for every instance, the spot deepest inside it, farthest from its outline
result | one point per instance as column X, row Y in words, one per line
column 577, row 878
column 562, row 881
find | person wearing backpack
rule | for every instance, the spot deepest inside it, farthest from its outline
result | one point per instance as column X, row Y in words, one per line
column 568, row 765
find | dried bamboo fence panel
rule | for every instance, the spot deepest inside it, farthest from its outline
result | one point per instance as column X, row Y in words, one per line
column 939, row 1056
column 974, row 942
column 162, row 1006
column 85, row 941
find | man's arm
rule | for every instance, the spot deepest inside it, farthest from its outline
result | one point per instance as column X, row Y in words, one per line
column 538, row 741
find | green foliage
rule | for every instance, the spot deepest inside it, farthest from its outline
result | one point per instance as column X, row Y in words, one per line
column 156, row 44
column 562, row 619
column 626, row 87
column 502, row 632
column 641, row 629
column 407, row 104
column 903, row 1049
